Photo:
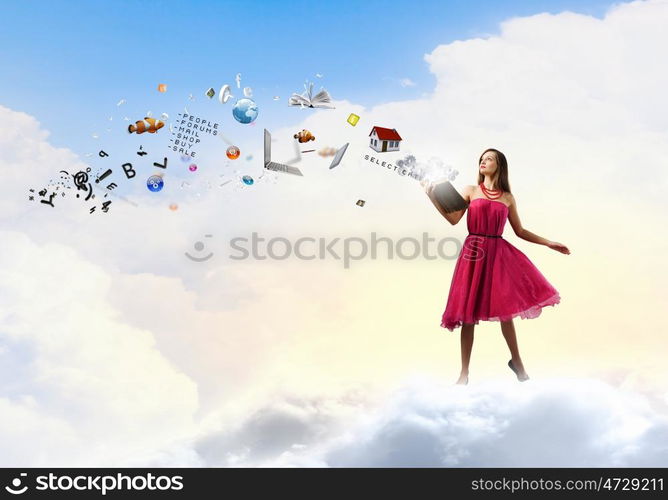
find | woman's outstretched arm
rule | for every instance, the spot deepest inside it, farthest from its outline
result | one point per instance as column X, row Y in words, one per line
column 527, row 235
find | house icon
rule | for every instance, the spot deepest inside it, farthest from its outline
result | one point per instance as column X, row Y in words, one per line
column 384, row 139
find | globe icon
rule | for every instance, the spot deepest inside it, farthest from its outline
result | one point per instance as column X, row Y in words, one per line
column 245, row 110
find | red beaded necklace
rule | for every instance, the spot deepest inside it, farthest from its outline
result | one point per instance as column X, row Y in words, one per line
column 492, row 194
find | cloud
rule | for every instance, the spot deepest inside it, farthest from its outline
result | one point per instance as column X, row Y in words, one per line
column 407, row 82
column 79, row 385
column 27, row 159
column 547, row 423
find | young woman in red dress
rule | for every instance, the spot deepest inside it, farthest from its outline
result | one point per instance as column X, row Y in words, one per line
column 493, row 280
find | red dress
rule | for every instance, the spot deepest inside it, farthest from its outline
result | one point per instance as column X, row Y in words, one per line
column 493, row 280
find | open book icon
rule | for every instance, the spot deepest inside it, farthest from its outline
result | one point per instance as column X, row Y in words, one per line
column 307, row 99
column 448, row 197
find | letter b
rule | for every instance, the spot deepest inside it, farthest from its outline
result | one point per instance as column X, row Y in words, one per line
column 127, row 168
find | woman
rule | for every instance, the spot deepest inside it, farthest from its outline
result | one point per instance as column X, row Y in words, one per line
column 493, row 280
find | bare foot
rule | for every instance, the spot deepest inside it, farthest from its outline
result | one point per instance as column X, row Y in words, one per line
column 463, row 379
column 519, row 370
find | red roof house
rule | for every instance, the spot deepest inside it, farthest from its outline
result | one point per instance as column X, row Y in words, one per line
column 384, row 139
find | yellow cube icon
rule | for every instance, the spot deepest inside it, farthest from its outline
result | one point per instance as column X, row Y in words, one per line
column 162, row 87
column 353, row 119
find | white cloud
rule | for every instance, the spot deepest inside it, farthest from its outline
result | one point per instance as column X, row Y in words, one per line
column 406, row 82
column 79, row 385
column 548, row 423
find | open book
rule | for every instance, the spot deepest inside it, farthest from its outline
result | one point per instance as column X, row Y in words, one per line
column 307, row 99
column 448, row 197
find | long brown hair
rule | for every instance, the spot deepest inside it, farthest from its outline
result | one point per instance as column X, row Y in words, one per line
column 501, row 170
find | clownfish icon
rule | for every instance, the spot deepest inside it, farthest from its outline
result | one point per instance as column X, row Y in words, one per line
column 16, row 483
column 150, row 125
column 304, row 136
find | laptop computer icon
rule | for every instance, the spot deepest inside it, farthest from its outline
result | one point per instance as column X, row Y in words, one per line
column 270, row 165
column 339, row 155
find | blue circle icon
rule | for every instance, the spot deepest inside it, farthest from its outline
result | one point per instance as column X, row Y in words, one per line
column 155, row 183
column 245, row 110
column 248, row 180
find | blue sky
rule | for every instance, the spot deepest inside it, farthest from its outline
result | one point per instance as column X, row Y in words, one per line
column 68, row 63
